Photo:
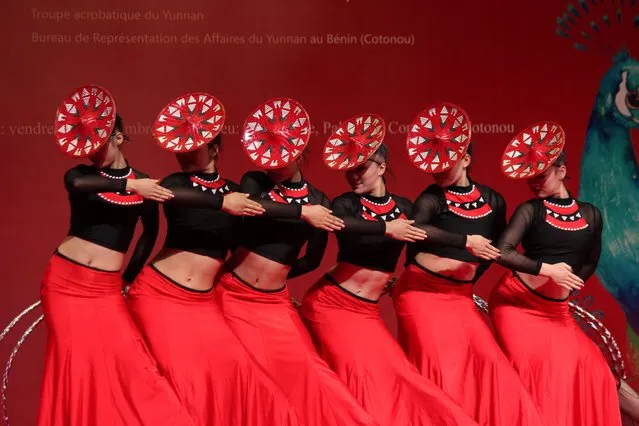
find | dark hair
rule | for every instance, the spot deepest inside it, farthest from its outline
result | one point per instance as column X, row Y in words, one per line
column 119, row 127
column 561, row 160
column 381, row 156
column 216, row 141
column 469, row 150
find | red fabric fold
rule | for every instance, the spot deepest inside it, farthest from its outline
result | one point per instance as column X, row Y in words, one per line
column 214, row 376
column 272, row 331
column 445, row 336
column 352, row 338
column 563, row 369
column 98, row 369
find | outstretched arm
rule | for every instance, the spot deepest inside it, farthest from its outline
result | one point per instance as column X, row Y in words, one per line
column 254, row 184
column 78, row 180
column 346, row 209
column 426, row 207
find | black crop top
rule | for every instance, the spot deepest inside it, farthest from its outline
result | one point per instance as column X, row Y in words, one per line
column 362, row 241
column 103, row 213
column 553, row 230
column 194, row 218
column 449, row 215
column 282, row 239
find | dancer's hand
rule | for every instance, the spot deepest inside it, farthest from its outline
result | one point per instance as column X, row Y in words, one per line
column 481, row 247
column 149, row 189
column 239, row 204
column 402, row 230
column 561, row 274
column 321, row 217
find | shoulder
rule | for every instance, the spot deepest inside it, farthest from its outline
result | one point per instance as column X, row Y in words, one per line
column 348, row 200
column 81, row 169
column 403, row 202
column 532, row 205
column 176, row 179
column 589, row 208
column 485, row 189
column 433, row 189
column 233, row 186
column 139, row 174
column 316, row 193
column 433, row 192
column 491, row 193
column 255, row 175
column 587, row 205
column 346, row 196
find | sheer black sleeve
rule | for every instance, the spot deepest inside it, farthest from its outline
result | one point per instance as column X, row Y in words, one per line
column 520, row 222
column 425, row 208
column 315, row 248
column 346, row 207
column 499, row 209
column 257, row 183
column 82, row 179
column 593, row 217
column 498, row 205
column 151, row 223
column 406, row 205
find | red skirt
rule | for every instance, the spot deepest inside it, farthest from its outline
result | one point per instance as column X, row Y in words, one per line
column 445, row 336
column 211, row 371
column 271, row 329
column 98, row 370
column 353, row 339
column 563, row 369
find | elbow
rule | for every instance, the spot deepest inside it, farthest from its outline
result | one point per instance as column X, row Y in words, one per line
column 72, row 185
column 310, row 265
column 504, row 248
column 314, row 265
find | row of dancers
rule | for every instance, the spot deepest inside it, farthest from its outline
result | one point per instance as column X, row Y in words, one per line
column 208, row 334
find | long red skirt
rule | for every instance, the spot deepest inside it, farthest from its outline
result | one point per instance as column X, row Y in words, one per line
column 351, row 337
column 444, row 335
column 270, row 327
column 211, row 371
column 98, row 370
column 562, row 368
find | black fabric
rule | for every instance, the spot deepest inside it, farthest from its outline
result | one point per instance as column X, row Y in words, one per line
column 280, row 236
column 531, row 225
column 447, row 222
column 362, row 241
column 97, row 218
column 194, row 219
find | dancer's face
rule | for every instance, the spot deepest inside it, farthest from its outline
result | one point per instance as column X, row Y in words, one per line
column 106, row 155
column 284, row 173
column 198, row 160
column 548, row 183
column 453, row 175
column 364, row 178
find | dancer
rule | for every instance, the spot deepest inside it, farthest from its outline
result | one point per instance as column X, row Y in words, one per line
column 341, row 310
column 438, row 325
column 98, row 369
column 172, row 300
column 253, row 293
column 562, row 368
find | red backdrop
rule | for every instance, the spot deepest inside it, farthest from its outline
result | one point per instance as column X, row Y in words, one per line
column 499, row 60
